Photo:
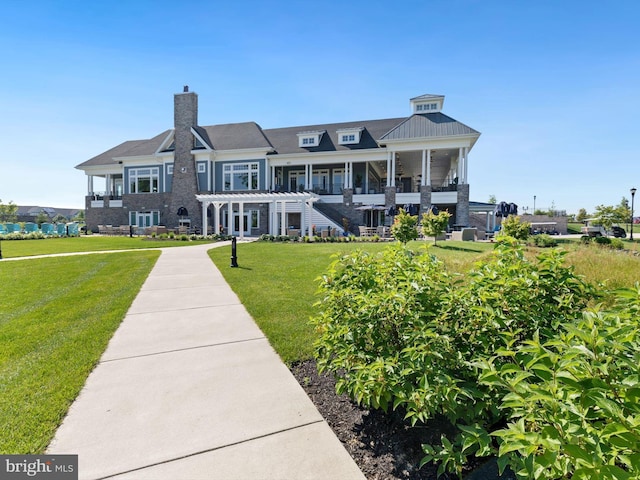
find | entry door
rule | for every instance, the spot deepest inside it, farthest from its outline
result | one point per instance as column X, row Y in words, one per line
column 144, row 219
column 236, row 224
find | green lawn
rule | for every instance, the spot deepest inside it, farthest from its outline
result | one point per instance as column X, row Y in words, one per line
column 56, row 317
column 277, row 283
column 91, row 243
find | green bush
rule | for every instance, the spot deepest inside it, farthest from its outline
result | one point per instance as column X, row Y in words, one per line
column 513, row 227
column 399, row 332
column 544, row 241
column 617, row 244
column 573, row 401
column 602, row 240
column 404, row 228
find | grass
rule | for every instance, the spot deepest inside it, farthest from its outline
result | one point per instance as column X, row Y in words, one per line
column 56, row 317
column 277, row 281
column 277, row 284
column 91, row 243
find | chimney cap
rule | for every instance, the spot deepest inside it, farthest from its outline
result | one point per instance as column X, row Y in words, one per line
column 185, row 89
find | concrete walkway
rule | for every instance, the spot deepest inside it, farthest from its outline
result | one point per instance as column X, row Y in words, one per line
column 189, row 388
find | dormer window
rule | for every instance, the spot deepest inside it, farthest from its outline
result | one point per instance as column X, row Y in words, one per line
column 309, row 139
column 349, row 136
column 427, row 104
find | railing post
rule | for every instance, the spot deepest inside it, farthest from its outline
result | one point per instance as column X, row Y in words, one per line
column 234, row 257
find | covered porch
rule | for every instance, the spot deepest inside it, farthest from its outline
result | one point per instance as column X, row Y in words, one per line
column 274, row 203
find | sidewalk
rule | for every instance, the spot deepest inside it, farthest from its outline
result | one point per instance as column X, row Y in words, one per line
column 189, row 388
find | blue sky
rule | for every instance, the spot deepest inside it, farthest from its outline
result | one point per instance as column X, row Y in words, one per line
column 551, row 85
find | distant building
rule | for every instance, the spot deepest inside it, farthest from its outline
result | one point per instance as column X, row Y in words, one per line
column 248, row 180
column 29, row 213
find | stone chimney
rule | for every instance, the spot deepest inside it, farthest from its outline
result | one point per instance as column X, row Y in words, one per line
column 185, row 184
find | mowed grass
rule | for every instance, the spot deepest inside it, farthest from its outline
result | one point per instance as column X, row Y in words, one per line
column 90, row 243
column 56, row 317
column 277, row 283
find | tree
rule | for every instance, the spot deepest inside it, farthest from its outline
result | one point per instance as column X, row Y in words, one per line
column 79, row 216
column 59, row 219
column 582, row 215
column 8, row 212
column 492, row 199
column 513, row 227
column 404, row 227
column 607, row 215
column 41, row 218
column 433, row 225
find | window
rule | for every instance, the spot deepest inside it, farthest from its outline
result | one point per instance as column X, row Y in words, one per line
column 255, row 218
column 170, row 169
column 308, row 141
column 241, row 176
column 143, row 180
column 423, row 107
column 349, row 135
column 202, row 168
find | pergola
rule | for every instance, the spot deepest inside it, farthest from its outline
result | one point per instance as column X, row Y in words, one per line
column 220, row 200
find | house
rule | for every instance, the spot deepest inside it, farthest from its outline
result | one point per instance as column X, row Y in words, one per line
column 245, row 180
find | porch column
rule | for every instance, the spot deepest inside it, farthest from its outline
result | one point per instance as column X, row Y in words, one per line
column 347, row 175
column 309, row 206
column 229, row 218
column 107, row 184
column 459, row 170
column 205, row 206
column 302, row 218
column 273, row 179
column 216, row 220
column 388, row 169
column 423, row 177
column 428, row 167
column 283, row 218
column 307, row 176
column 366, row 177
column 241, row 219
column 393, row 169
column 466, row 164
column 89, row 184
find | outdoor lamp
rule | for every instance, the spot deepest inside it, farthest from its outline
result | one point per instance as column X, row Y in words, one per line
column 633, row 194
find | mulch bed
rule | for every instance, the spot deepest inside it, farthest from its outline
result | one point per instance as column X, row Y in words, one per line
column 383, row 446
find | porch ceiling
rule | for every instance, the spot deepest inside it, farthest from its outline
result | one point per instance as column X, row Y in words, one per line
column 258, row 197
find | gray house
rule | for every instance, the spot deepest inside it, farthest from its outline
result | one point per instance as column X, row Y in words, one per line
column 246, row 180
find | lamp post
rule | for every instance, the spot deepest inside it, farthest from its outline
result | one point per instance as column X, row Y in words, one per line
column 534, row 204
column 0, row 248
column 633, row 194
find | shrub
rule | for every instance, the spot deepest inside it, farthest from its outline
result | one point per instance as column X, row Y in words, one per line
column 617, row 244
column 404, row 228
column 399, row 332
column 544, row 241
column 602, row 240
column 574, row 400
column 585, row 239
column 513, row 227
column 434, row 225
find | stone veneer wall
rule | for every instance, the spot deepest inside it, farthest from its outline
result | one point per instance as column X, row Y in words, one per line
column 185, row 183
column 462, row 207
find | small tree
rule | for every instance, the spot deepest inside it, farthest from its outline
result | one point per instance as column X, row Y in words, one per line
column 59, row 219
column 404, row 227
column 41, row 218
column 492, row 199
column 513, row 227
column 433, row 225
column 582, row 215
column 8, row 212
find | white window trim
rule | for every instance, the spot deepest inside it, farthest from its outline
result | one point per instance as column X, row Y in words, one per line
column 252, row 168
column 202, row 168
column 136, row 173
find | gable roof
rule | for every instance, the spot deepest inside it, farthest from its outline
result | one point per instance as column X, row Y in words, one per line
column 130, row 148
column 428, row 125
column 234, row 136
column 285, row 140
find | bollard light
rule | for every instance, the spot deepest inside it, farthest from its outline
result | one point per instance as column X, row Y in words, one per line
column 0, row 248
column 633, row 194
column 234, row 257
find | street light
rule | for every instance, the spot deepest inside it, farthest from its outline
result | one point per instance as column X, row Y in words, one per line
column 633, row 194
column 534, row 204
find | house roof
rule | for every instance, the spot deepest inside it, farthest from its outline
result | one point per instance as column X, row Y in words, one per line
column 428, row 125
column 234, row 136
column 130, row 148
column 285, row 140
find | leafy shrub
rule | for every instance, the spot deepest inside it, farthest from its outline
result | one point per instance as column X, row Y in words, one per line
column 434, row 225
column 404, row 228
column 602, row 240
column 513, row 227
column 544, row 241
column 399, row 332
column 617, row 244
column 585, row 239
column 573, row 400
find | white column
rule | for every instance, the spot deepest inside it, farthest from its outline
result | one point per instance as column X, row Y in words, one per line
column 423, row 178
column 241, row 219
column 216, row 220
column 283, row 218
column 393, row 169
column 428, row 167
column 229, row 218
column 107, row 184
column 89, row 184
column 347, row 176
column 273, row 183
column 272, row 210
column 306, row 176
column 309, row 206
column 466, row 164
column 459, row 169
column 388, row 169
column 205, row 206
